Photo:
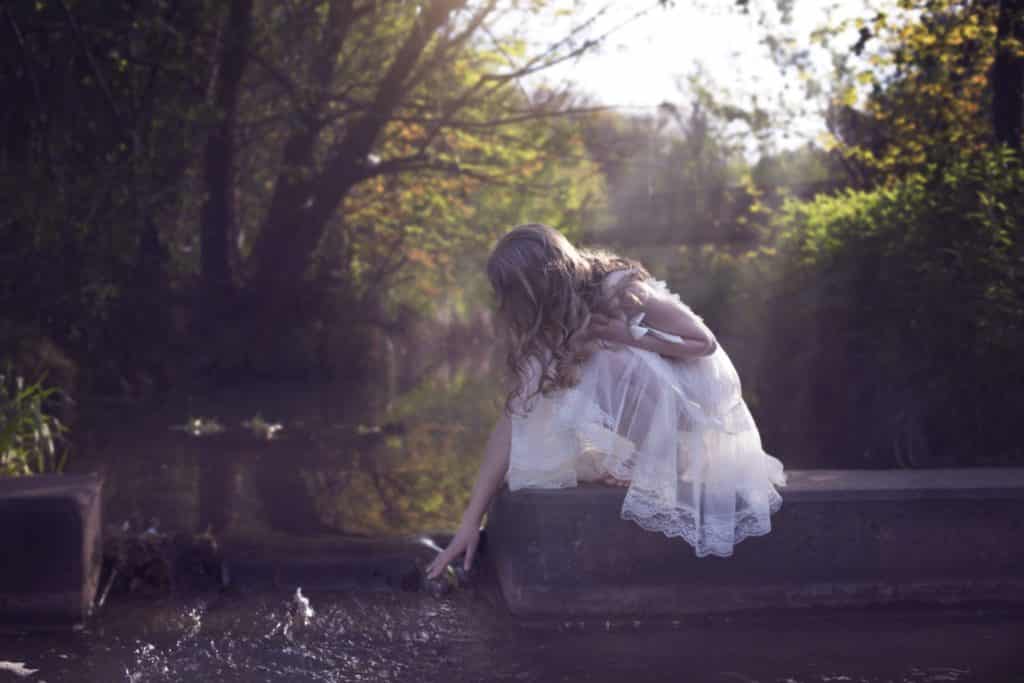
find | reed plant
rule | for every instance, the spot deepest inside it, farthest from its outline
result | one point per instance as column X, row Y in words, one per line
column 31, row 438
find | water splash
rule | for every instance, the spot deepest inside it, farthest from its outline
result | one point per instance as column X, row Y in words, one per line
column 407, row 636
column 149, row 662
column 299, row 615
column 429, row 543
column 302, row 612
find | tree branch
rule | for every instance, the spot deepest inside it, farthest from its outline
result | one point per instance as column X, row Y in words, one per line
column 508, row 120
column 283, row 79
column 76, row 30
column 442, row 52
column 27, row 58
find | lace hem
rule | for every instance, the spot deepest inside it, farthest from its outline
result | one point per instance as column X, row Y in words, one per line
column 714, row 537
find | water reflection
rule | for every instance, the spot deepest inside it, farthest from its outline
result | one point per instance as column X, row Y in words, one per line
column 300, row 460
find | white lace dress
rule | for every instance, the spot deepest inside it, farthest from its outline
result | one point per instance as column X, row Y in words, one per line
column 677, row 430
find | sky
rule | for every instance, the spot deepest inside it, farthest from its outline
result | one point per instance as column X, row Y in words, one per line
column 641, row 64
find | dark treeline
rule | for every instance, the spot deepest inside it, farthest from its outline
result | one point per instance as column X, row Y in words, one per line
column 252, row 188
column 262, row 189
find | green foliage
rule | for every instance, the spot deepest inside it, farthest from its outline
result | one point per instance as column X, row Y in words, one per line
column 893, row 312
column 909, row 302
column 103, row 215
column 922, row 95
column 877, row 328
column 105, row 108
column 31, row 438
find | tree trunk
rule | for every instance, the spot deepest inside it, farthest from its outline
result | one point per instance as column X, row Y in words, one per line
column 1008, row 76
column 218, row 215
column 301, row 210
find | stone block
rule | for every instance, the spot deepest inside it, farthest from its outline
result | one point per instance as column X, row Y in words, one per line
column 50, row 535
column 842, row 538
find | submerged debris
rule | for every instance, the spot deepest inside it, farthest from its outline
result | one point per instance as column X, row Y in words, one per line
column 152, row 562
column 261, row 428
column 200, row 426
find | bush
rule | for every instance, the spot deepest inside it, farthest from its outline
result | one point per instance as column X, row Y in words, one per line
column 897, row 317
column 31, row 439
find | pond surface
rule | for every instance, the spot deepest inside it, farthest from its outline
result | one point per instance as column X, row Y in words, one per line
column 391, row 459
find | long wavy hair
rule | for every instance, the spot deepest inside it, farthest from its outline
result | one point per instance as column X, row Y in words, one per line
column 546, row 291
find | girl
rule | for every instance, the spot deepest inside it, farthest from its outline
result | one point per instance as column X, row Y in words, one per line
column 615, row 380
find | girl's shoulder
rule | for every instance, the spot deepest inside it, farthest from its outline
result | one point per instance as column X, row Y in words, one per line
column 620, row 279
column 637, row 286
column 604, row 265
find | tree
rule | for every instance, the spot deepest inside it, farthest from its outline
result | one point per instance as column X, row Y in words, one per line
column 943, row 79
column 266, row 163
column 101, row 124
column 678, row 176
column 899, row 302
column 218, row 216
column 372, row 72
column 1008, row 75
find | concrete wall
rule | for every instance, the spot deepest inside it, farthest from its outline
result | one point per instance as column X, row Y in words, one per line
column 842, row 538
column 50, row 549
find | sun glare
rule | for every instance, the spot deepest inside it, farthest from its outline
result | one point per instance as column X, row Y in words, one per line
column 645, row 60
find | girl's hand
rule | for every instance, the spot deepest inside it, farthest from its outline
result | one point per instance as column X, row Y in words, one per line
column 465, row 540
column 604, row 328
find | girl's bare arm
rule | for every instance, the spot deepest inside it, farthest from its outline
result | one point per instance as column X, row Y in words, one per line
column 663, row 314
column 489, row 480
column 668, row 315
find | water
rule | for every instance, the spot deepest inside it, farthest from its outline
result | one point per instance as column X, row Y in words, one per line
column 406, row 636
column 394, row 460
column 374, row 459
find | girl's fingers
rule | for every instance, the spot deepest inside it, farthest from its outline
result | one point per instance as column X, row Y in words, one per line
column 435, row 568
column 439, row 564
column 443, row 558
column 432, row 570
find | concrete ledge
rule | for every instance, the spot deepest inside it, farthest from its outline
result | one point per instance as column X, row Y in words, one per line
column 842, row 538
column 50, row 536
column 328, row 563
